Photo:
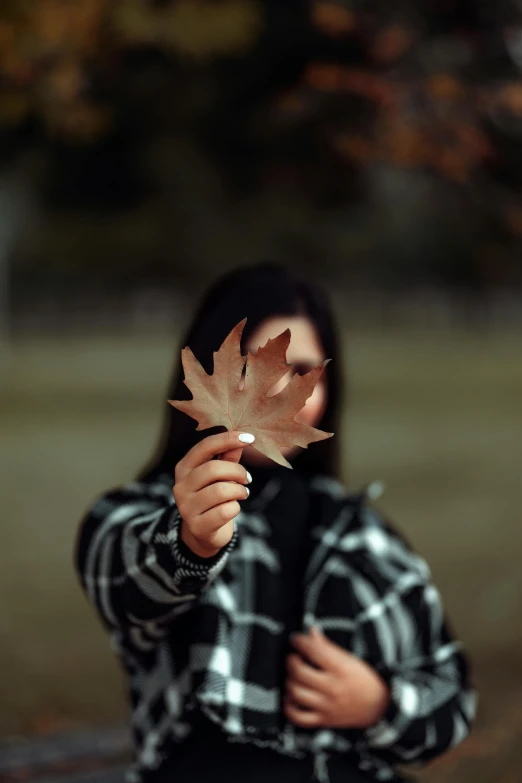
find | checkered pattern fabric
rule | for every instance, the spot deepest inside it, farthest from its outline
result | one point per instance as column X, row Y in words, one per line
column 207, row 634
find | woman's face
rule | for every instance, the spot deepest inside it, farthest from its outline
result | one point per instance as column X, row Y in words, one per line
column 305, row 352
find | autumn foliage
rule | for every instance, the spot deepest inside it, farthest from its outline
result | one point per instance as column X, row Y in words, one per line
column 427, row 85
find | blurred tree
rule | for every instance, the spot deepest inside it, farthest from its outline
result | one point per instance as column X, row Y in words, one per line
column 313, row 92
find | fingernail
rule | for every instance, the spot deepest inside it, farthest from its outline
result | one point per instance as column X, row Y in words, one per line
column 248, row 491
column 249, row 477
column 246, row 437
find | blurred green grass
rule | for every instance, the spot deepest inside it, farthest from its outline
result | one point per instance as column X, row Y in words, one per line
column 437, row 415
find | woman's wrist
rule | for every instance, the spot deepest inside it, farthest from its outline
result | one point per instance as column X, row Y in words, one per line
column 200, row 549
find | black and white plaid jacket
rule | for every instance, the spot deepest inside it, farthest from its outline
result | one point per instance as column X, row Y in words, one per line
column 206, row 634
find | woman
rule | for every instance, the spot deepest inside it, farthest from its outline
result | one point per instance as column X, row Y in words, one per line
column 279, row 629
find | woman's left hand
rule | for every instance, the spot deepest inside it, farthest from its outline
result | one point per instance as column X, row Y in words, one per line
column 344, row 692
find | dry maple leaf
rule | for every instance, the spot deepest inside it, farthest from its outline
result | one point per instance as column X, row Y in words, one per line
column 218, row 400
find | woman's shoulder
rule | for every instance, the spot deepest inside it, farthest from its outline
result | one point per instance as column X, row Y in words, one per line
column 370, row 529
column 334, row 488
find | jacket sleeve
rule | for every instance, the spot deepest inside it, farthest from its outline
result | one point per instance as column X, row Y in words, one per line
column 432, row 701
column 133, row 566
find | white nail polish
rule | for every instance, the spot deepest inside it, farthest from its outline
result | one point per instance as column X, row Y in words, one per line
column 248, row 491
column 249, row 477
column 246, row 437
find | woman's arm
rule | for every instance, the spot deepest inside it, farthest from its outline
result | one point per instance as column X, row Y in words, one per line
column 135, row 569
column 432, row 701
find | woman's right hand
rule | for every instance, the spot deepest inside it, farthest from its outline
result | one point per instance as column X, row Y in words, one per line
column 207, row 491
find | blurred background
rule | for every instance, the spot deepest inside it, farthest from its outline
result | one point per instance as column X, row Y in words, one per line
column 146, row 147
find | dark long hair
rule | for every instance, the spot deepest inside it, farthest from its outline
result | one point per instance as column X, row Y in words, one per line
column 258, row 292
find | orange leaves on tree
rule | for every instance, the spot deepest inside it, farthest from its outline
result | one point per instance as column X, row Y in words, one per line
column 443, row 87
column 220, row 399
column 392, row 43
column 59, row 28
column 403, row 144
column 509, row 98
column 513, row 217
column 323, row 76
column 332, row 19
column 329, row 78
